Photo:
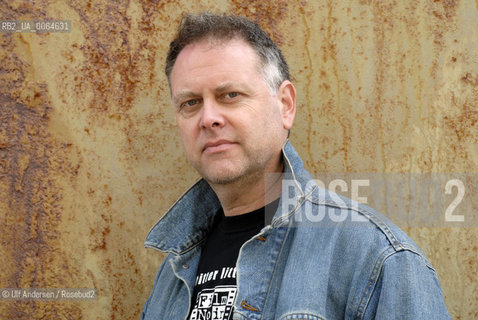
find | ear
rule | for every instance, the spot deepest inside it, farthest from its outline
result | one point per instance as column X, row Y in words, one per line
column 286, row 97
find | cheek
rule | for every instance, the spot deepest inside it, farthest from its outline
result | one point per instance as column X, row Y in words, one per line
column 273, row 119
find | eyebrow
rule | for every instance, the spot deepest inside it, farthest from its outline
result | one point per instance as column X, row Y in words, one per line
column 187, row 94
column 183, row 96
column 224, row 87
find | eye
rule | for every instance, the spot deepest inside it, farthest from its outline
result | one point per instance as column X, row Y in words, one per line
column 231, row 95
column 189, row 103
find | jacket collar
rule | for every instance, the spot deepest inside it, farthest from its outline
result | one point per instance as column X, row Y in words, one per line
column 190, row 218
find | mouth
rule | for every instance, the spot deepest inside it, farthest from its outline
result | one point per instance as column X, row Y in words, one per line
column 217, row 146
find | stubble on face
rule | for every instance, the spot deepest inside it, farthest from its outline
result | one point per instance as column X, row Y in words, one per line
column 251, row 123
column 239, row 172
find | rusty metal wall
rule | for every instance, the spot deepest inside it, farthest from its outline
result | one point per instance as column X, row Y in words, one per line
column 89, row 156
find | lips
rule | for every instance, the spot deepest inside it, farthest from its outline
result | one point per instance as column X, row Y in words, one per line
column 217, row 146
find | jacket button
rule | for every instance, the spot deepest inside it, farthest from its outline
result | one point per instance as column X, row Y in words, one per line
column 185, row 266
column 247, row 306
column 261, row 238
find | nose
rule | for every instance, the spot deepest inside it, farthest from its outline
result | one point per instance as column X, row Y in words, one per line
column 211, row 116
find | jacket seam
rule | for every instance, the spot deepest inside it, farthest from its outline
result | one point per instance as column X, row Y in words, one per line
column 308, row 315
column 382, row 262
column 370, row 216
column 274, row 269
column 176, row 253
column 372, row 281
column 299, row 203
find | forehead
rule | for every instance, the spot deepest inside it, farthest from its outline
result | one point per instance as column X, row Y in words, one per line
column 210, row 43
column 216, row 56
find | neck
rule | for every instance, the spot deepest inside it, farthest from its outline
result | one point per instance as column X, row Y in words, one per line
column 250, row 193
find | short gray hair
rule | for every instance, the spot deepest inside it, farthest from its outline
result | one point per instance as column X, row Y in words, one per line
column 196, row 27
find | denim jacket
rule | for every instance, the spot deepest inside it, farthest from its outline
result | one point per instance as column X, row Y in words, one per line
column 322, row 256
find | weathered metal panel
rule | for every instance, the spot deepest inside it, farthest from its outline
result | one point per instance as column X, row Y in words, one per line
column 90, row 158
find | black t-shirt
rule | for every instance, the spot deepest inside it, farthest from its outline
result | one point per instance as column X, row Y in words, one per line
column 215, row 287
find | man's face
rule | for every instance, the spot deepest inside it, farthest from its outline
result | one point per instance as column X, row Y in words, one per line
column 231, row 125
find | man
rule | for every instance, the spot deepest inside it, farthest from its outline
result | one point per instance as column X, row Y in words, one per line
column 319, row 256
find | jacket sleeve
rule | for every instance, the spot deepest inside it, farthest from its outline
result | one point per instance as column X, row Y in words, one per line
column 407, row 288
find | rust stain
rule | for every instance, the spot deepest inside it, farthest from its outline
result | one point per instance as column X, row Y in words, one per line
column 267, row 14
column 118, row 67
column 443, row 13
column 379, row 28
column 445, row 9
column 312, row 164
column 30, row 158
column 465, row 124
column 469, row 79
column 332, row 53
column 111, row 69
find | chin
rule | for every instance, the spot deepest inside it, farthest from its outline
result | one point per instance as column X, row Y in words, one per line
column 221, row 179
column 222, row 176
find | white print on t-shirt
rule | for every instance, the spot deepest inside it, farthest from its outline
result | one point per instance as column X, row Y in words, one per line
column 214, row 304
column 226, row 272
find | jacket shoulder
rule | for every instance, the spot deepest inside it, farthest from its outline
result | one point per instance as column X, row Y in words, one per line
column 353, row 224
